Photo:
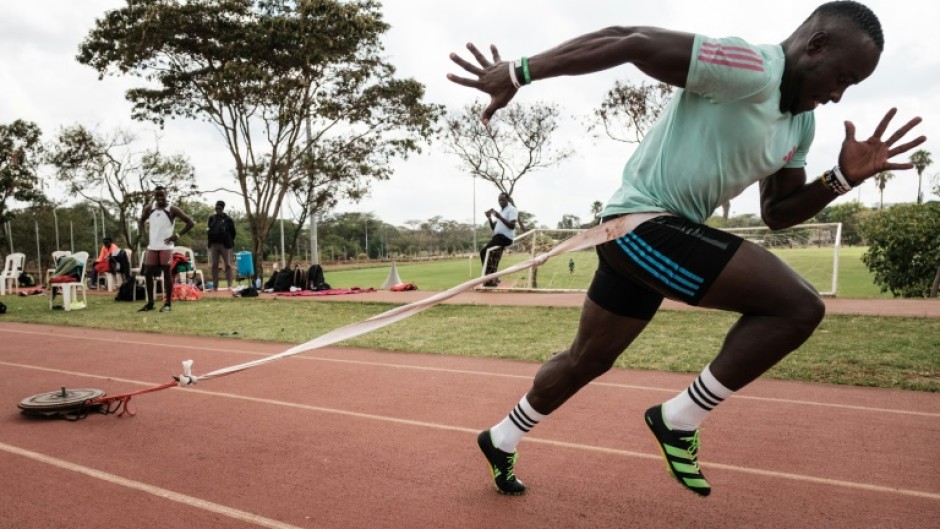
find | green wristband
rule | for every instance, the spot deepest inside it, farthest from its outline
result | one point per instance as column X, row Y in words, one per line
column 527, row 77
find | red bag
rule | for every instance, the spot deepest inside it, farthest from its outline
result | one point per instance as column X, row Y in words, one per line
column 186, row 293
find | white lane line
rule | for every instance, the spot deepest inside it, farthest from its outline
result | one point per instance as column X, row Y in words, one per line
column 483, row 373
column 159, row 492
column 530, row 439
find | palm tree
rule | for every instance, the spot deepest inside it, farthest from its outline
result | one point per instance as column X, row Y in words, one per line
column 920, row 159
column 596, row 208
column 881, row 179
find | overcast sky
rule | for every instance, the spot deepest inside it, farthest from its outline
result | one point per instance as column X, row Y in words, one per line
column 41, row 81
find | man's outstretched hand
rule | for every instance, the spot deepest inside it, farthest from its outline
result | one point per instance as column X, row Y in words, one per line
column 492, row 78
column 863, row 159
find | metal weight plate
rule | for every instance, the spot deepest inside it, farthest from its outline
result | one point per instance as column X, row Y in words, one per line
column 61, row 400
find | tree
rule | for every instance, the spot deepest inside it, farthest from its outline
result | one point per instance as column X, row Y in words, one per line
column 527, row 221
column 106, row 171
column 76, row 227
column 920, row 159
column 519, row 143
column 258, row 70
column 569, row 222
column 848, row 214
column 881, row 180
column 628, row 110
column 904, row 248
column 20, row 157
column 596, row 207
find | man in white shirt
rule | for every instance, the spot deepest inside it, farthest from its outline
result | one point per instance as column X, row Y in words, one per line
column 503, row 223
column 159, row 218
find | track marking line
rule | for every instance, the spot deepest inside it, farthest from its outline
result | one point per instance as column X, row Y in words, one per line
column 159, row 492
column 484, row 373
column 528, row 439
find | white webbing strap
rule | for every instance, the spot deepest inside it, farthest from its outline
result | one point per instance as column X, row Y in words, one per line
column 597, row 235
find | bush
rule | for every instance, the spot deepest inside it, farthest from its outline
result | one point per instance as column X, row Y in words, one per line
column 904, row 248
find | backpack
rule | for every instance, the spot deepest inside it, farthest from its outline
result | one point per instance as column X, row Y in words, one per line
column 3, row 308
column 26, row 280
column 299, row 278
column 127, row 290
column 315, row 278
column 282, row 280
column 119, row 263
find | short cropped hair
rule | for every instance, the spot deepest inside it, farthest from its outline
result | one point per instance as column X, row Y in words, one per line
column 861, row 16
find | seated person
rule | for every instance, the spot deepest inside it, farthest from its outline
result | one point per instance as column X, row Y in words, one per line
column 103, row 262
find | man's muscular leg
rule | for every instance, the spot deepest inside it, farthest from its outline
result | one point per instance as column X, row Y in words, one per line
column 602, row 336
column 779, row 311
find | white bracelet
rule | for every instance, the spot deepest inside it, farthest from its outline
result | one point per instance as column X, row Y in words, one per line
column 512, row 75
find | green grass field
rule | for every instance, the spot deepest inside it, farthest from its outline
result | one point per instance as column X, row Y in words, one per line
column 889, row 352
column 856, row 350
column 814, row 264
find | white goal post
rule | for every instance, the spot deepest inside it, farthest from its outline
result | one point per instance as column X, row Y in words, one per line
column 810, row 249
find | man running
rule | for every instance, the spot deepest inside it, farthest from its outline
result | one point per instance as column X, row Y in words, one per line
column 742, row 113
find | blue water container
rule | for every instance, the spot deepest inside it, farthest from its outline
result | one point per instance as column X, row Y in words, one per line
column 244, row 263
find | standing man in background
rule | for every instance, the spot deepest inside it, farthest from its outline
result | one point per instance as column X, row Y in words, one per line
column 221, row 232
column 503, row 224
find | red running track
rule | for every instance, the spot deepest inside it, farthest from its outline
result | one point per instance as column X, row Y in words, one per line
column 355, row 438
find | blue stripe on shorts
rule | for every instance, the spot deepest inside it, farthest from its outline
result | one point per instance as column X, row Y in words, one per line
column 667, row 271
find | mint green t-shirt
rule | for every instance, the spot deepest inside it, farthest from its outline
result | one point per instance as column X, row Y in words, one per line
column 719, row 135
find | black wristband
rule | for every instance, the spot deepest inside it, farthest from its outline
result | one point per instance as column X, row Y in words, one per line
column 520, row 75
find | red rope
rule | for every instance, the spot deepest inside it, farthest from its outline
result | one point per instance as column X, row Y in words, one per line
column 123, row 400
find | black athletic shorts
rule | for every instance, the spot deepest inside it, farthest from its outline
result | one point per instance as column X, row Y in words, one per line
column 665, row 256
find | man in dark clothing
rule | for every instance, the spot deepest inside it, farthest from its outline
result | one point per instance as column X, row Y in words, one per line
column 221, row 240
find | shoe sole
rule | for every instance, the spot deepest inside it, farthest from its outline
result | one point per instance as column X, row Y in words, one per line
column 489, row 467
column 663, row 452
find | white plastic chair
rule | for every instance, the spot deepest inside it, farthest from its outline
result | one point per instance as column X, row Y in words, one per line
column 190, row 277
column 71, row 289
column 12, row 268
column 141, row 279
column 55, row 259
